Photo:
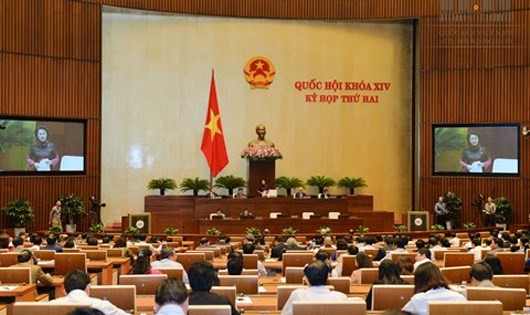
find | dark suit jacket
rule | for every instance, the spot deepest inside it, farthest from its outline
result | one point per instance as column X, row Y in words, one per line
column 209, row 298
column 57, row 249
column 299, row 195
column 277, row 251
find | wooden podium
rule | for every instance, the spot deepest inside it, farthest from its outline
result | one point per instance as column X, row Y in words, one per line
column 258, row 170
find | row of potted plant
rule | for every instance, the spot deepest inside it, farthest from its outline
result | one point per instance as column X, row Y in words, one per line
column 20, row 211
column 324, row 230
column 231, row 183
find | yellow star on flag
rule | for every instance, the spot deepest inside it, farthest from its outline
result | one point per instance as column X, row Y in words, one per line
column 213, row 125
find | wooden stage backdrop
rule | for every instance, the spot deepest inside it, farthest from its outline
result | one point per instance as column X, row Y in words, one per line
column 50, row 66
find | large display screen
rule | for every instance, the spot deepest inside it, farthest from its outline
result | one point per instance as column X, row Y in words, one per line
column 39, row 147
column 476, row 150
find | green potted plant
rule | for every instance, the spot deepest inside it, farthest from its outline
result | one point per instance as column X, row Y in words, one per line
column 96, row 228
column 289, row 231
column 132, row 230
column 351, row 183
column 56, row 229
column 230, row 182
column 213, row 231
column 437, row 227
column 73, row 209
column 289, row 183
column 20, row 212
column 321, row 182
column 453, row 204
column 469, row 226
column 363, row 229
column 503, row 214
column 400, row 228
column 253, row 231
column 171, row 231
column 162, row 184
column 194, row 184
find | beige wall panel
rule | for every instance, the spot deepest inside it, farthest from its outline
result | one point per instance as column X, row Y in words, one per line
column 156, row 79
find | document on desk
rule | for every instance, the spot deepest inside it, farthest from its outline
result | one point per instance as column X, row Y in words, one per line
column 45, row 262
column 4, row 288
column 262, row 290
column 243, row 299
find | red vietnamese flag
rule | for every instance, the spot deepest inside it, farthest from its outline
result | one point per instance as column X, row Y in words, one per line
column 213, row 141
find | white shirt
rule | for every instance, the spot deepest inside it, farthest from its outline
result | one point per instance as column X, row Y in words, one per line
column 312, row 293
column 170, row 309
column 436, row 248
column 153, row 249
column 477, row 251
column 419, row 303
column 390, row 252
column 170, row 264
column 80, row 296
column 261, row 269
column 455, row 241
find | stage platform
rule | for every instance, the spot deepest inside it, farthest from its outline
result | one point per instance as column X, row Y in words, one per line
column 191, row 215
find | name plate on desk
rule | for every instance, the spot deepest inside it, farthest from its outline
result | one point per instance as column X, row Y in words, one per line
column 6, row 288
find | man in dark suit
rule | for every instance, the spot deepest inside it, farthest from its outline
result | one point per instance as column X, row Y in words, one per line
column 279, row 247
column 51, row 240
column 202, row 276
column 300, row 194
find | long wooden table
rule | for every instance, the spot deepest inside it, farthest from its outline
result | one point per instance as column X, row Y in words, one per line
column 185, row 213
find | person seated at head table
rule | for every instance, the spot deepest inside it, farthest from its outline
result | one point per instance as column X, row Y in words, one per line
column 263, row 189
column 246, row 214
column 240, row 194
column 300, row 194
column 218, row 214
column 325, row 194
column 212, row 193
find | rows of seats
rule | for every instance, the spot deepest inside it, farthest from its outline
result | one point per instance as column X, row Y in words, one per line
column 511, row 293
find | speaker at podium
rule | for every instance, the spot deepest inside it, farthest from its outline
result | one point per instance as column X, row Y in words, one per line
column 418, row 221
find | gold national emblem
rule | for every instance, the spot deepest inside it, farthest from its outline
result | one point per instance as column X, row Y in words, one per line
column 259, row 72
